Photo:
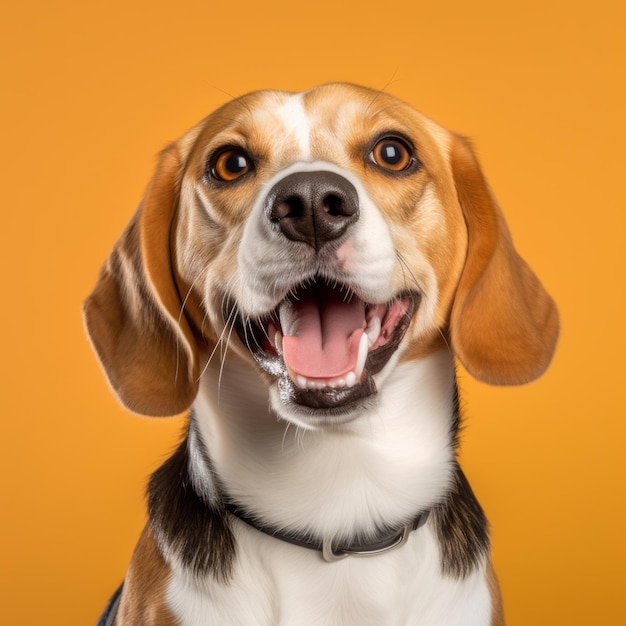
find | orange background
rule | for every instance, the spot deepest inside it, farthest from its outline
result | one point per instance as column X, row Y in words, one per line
column 90, row 92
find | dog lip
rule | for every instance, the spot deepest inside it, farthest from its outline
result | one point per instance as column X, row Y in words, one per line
column 262, row 339
column 332, row 403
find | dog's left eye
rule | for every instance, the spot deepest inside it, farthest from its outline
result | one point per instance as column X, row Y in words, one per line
column 392, row 154
column 230, row 164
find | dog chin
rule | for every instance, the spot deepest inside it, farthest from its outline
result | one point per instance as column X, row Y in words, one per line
column 321, row 409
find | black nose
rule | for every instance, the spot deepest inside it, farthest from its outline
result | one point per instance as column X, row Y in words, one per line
column 313, row 207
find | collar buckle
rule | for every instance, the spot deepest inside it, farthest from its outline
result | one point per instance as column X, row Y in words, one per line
column 330, row 554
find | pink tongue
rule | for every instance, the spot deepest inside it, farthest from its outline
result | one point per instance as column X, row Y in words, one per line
column 321, row 332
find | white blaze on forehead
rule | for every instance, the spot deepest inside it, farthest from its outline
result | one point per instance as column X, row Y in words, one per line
column 297, row 122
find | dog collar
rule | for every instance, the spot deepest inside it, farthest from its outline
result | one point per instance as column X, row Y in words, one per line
column 389, row 540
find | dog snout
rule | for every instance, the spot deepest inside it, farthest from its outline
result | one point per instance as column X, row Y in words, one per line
column 313, row 207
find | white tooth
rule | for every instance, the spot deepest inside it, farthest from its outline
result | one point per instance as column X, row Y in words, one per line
column 287, row 317
column 350, row 379
column 301, row 381
column 278, row 342
column 362, row 357
column 373, row 330
column 341, row 382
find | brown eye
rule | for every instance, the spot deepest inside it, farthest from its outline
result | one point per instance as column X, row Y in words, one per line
column 392, row 154
column 231, row 164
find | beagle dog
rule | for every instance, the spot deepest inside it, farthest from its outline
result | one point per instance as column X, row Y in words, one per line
column 302, row 273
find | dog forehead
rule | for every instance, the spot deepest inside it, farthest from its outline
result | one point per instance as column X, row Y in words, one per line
column 305, row 125
column 284, row 116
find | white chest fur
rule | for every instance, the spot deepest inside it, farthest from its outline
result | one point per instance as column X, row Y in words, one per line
column 276, row 584
column 381, row 469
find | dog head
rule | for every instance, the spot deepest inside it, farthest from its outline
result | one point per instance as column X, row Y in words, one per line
column 325, row 237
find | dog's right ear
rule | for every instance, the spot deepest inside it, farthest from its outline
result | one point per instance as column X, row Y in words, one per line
column 134, row 316
column 504, row 325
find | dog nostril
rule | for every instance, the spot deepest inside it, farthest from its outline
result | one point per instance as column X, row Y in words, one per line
column 289, row 207
column 334, row 205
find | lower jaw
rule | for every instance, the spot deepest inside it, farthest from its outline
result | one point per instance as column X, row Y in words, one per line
column 313, row 409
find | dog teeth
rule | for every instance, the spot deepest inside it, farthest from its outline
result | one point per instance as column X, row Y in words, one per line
column 373, row 329
column 350, row 379
column 319, row 384
column 364, row 344
column 276, row 338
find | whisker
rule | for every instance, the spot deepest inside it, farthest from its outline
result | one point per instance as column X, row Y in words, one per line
column 227, row 93
column 263, row 329
column 406, row 269
column 248, row 323
column 223, row 359
column 424, row 294
column 235, row 97
column 381, row 91
column 205, row 318
column 300, row 437
column 445, row 341
column 217, row 344
column 288, row 424
column 178, row 321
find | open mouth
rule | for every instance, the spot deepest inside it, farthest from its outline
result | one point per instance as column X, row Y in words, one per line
column 324, row 344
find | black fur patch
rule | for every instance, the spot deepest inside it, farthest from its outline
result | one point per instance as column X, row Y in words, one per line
column 199, row 534
column 456, row 425
column 461, row 528
column 196, row 531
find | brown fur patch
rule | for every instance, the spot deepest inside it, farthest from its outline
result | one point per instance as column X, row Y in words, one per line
column 143, row 598
column 497, row 609
column 504, row 325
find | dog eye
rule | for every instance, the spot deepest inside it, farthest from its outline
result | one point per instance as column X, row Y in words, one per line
column 392, row 154
column 230, row 164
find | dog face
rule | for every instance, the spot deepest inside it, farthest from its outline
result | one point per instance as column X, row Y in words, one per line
column 325, row 237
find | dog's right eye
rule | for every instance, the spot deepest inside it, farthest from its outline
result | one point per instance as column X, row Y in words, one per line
column 229, row 165
column 392, row 154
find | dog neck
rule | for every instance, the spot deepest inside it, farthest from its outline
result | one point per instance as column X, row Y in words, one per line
column 376, row 471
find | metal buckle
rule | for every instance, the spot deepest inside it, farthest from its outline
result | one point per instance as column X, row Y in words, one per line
column 330, row 555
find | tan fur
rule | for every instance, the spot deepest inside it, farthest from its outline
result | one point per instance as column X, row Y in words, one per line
column 504, row 325
column 143, row 601
column 133, row 314
column 497, row 609
column 156, row 308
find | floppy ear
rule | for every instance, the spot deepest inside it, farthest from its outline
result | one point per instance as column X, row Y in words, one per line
column 503, row 325
column 134, row 314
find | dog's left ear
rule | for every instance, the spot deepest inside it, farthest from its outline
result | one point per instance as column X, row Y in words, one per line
column 134, row 316
column 503, row 325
